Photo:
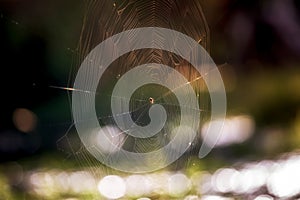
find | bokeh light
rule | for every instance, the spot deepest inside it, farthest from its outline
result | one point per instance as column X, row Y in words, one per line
column 24, row 120
column 178, row 184
column 235, row 130
column 284, row 181
column 264, row 197
column 112, row 187
column 138, row 185
column 225, row 180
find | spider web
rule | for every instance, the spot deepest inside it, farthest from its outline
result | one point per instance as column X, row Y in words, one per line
column 106, row 18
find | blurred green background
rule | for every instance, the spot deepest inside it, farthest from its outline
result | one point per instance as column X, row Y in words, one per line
column 256, row 46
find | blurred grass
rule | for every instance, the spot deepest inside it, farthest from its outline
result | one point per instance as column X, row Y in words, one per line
column 271, row 97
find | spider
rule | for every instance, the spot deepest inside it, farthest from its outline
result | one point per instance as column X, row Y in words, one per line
column 151, row 100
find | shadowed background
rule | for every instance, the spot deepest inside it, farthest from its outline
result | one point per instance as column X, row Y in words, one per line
column 255, row 44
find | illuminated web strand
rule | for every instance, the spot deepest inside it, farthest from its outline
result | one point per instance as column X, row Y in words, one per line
column 187, row 83
column 119, row 16
column 141, row 100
